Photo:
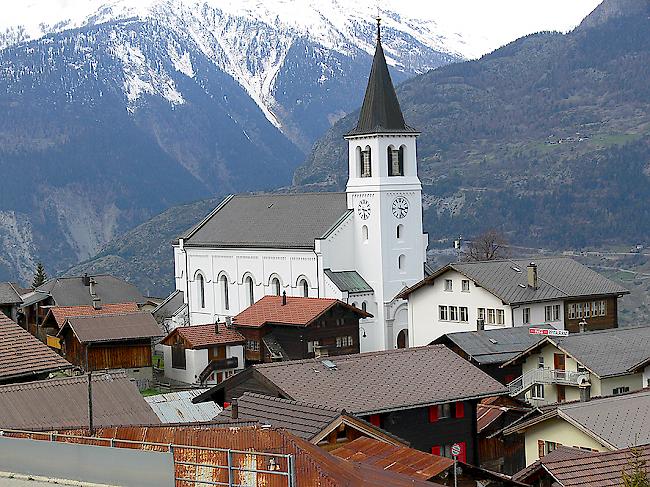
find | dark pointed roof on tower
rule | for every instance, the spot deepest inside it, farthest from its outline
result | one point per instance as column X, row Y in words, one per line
column 380, row 111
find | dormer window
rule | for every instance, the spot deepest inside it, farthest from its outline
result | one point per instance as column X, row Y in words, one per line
column 366, row 168
column 396, row 161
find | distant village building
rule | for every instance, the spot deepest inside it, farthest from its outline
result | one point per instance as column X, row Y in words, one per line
column 362, row 246
column 10, row 299
column 555, row 291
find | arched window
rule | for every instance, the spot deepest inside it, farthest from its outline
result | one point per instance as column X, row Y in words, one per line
column 354, row 303
column 364, row 306
column 200, row 281
column 223, row 280
column 275, row 286
column 304, row 288
column 366, row 166
column 248, row 285
column 364, row 233
column 395, row 161
column 400, row 231
column 401, row 262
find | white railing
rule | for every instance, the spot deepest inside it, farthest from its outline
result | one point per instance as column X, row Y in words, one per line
column 547, row 376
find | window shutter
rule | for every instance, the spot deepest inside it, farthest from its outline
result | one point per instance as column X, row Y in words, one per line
column 435, row 450
column 540, row 448
column 462, row 456
column 433, row 414
column 460, row 410
column 375, row 420
column 226, row 404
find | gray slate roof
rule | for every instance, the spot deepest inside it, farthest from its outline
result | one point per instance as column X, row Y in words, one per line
column 8, row 294
column 493, row 346
column 269, row 221
column 622, row 421
column 559, row 278
column 169, row 306
column 301, row 419
column 348, row 281
column 376, row 382
column 71, row 291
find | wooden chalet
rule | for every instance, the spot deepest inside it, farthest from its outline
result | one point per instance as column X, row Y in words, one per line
column 288, row 328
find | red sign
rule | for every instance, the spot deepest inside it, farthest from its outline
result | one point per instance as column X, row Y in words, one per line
column 549, row 332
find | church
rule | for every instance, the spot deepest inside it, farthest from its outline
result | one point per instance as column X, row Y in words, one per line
column 363, row 246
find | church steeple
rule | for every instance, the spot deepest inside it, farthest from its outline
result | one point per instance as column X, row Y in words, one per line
column 380, row 112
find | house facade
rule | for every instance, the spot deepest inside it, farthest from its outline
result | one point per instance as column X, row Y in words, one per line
column 556, row 292
column 310, row 244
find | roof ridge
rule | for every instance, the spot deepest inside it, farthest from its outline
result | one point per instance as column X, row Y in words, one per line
column 291, row 401
column 74, row 378
column 108, row 315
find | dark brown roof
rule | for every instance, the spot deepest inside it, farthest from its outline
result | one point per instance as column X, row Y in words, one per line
column 374, row 382
column 63, row 403
column 23, row 355
column 202, row 336
column 113, row 327
column 573, row 468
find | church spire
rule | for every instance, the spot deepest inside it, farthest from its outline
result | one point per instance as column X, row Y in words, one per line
column 380, row 111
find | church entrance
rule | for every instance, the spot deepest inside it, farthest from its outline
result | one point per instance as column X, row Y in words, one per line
column 403, row 339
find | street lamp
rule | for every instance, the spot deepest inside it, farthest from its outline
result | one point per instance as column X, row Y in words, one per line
column 364, row 332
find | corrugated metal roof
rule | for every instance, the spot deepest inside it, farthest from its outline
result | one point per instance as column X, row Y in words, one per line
column 111, row 327
column 348, row 281
column 177, row 407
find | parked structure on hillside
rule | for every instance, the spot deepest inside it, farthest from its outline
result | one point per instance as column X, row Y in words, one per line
column 425, row 395
column 555, row 291
column 583, row 365
column 203, row 354
column 290, row 328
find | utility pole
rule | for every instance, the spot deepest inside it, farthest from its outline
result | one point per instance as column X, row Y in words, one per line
column 91, row 426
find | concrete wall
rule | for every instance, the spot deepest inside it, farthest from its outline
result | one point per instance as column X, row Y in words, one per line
column 633, row 381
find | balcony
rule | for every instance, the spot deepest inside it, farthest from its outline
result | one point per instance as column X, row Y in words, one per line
column 547, row 376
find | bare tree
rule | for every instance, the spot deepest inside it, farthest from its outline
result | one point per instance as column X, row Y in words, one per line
column 490, row 245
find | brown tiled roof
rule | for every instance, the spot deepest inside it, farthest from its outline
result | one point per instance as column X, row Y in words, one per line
column 23, row 355
column 298, row 311
column 113, row 327
column 573, row 467
column 61, row 313
column 315, row 467
column 404, row 460
column 201, row 336
column 63, row 403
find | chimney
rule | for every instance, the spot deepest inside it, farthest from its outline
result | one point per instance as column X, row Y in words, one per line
column 228, row 321
column 284, row 298
column 532, row 275
column 585, row 393
column 85, row 279
column 91, row 284
column 216, row 328
column 480, row 325
column 234, row 409
column 582, row 326
column 97, row 303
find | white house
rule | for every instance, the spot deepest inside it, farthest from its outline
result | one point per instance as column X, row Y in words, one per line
column 467, row 296
column 362, row 246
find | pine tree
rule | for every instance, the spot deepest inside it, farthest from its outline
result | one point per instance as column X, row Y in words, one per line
column 638, row 476
column 39, row 276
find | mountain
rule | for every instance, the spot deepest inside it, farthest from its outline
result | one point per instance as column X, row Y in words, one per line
column 116, row 110
column 546, row 139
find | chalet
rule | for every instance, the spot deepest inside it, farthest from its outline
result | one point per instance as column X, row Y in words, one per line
column 76, row 291
column 23, row 357
column 595, row 363
column 572, row 467
column 555, row 291
column 10, row 299
column 602, row 424
column 490, row 349
column 289, row 328
column 425, row 395
column 203, row 354
column 63, row 403
column 111, row 341
column 327, row 427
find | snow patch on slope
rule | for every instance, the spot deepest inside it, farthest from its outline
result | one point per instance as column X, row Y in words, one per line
column 182, row 62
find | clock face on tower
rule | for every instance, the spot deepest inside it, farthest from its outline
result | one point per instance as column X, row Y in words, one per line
column 363, row 208
column 400, row 207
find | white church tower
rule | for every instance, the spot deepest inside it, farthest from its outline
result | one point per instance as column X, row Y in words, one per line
column 385, row 193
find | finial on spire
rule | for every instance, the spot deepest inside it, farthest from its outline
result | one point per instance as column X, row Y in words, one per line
column 378, row 26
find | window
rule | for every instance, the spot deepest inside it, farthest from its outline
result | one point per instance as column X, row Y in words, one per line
column 364, row 306
column 572, row 311
column 481, row 313
column 547, row 313
column 366, row 167
column 491, row 316
column 552, row 312
column 311, row 346
column 602, row 307
column 304, row 287
column 449, row 285
column 537, row 391
column 549, row 446
column 396, row 161
column 501, row 317
column 253, row 345
column 201, row 285
column 275, row 286
column 444, row 411
column 178, row 357
column 443, row 313
column 540, row 362
column 445, row 451
column 224, row 292
column 400, row 231
column 364, row 233
column 463, row 314
column 526, row 315
column 581, row 368
column 620, row 390
column 401, row 262
column 578, row 310
column 587, row 308
column 344, row 341
column 248, row 283
column 465, row 285
column 453, row 313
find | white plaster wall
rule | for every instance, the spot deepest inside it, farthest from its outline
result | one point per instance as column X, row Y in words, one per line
column 537, row 314
column 236, row 351
column 646, row 376
column 195, row 362
column 633, row 381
